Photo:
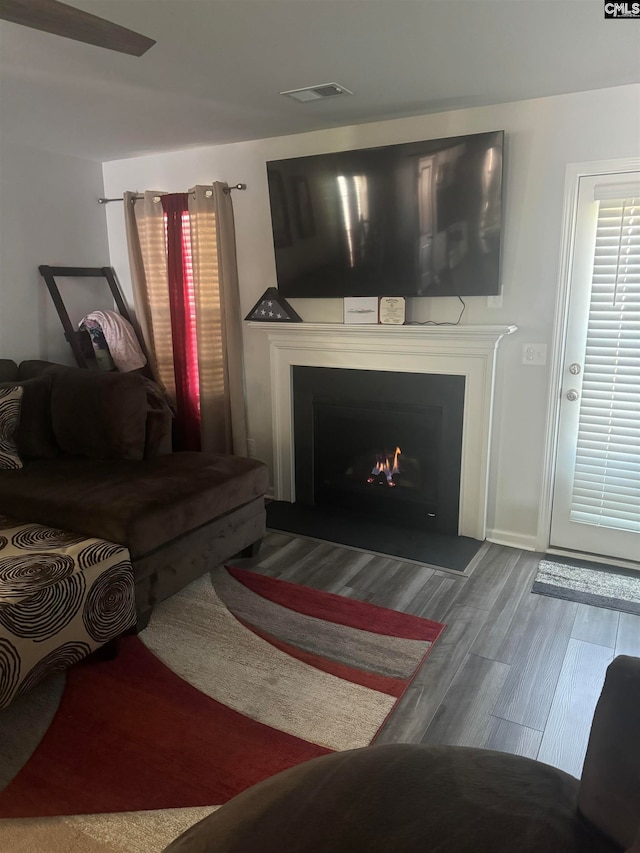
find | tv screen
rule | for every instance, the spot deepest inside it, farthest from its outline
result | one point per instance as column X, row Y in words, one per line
column 415, row 219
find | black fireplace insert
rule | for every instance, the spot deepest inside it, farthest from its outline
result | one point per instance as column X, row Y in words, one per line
column 385, row 444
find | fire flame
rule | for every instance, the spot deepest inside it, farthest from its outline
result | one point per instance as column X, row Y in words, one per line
column 387, row 465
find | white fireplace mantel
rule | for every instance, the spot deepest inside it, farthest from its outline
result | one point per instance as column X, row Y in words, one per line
column 468, row 351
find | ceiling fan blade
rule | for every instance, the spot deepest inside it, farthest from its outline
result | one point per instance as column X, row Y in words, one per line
column 61, row 19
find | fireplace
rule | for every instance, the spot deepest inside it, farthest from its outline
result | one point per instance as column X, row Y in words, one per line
column 384, row 444
column 465, row 351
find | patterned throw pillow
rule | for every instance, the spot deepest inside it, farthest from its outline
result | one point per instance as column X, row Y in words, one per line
column 10, row 399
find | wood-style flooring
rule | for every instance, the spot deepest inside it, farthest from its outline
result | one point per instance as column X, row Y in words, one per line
column 513, row 671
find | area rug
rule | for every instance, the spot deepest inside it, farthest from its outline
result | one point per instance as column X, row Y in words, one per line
column 406, row 542
column 589, row 583
column 237, row 677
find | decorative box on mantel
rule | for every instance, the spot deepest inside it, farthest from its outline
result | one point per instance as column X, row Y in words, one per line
column 468, row 351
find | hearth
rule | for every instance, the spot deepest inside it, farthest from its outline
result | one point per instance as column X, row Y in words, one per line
column 378, row 443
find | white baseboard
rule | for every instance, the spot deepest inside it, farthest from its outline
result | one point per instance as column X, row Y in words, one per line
column 525, row 542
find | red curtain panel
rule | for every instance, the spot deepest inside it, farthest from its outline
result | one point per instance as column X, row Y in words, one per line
column 183, row 322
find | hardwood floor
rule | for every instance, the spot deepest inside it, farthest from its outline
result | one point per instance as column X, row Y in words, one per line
column 513, row 671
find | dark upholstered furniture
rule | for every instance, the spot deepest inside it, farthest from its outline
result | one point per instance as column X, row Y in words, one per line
column 404, row 798
column 96, row 460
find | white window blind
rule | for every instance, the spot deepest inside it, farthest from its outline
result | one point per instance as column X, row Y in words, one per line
column 606, row 485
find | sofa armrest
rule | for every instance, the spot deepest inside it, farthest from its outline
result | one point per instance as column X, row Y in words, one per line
column 610, row 786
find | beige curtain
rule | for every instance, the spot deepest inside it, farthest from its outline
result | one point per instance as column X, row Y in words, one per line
column 217, row 304
column 144, row 223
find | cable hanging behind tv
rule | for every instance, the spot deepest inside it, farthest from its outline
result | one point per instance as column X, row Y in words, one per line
column 414, row 219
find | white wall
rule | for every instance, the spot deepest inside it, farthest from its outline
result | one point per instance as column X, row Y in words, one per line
column 48, row 215
column 542, row 136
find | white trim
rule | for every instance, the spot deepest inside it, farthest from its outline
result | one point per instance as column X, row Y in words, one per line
column 428, row 335
column 523, row 541
column 574, row 172
column 468, row 351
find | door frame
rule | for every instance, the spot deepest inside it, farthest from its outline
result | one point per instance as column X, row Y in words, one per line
column 574, row 172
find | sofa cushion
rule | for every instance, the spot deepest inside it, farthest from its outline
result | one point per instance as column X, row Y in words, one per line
column 10, row 399
column 99, row 415
column 159, row 421
column 138, row 504
column 159, row 418
column 34, row 436
column 34, row 367
column 8, row 370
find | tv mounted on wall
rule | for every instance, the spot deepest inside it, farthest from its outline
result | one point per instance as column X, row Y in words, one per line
column 414, row 219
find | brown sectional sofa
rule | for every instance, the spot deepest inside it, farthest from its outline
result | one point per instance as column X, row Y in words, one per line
column 96, row 460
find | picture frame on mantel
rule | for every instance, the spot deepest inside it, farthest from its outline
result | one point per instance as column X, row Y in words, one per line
column 392, row 310
column 360, row 310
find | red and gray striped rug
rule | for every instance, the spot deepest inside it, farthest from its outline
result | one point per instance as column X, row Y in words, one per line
column 237, row 677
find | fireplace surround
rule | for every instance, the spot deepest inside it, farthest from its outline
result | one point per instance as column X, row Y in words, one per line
column 469, row 351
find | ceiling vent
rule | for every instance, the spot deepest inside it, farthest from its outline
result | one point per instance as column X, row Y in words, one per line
column 315, row 93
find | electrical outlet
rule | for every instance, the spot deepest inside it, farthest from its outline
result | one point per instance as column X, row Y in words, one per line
column 534, row 354
column 494, row 301
column 251, row 448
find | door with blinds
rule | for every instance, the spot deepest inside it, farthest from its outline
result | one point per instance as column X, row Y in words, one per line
column 596, row 498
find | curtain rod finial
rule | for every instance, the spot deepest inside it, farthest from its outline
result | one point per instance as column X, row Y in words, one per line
column 235, row 187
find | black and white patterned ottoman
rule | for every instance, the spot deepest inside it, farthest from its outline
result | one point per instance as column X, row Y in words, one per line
column 61, row 597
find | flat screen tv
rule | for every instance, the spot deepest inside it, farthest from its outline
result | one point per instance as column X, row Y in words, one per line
column 415, row 219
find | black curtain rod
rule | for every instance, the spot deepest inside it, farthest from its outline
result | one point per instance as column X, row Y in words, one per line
column 226, row 190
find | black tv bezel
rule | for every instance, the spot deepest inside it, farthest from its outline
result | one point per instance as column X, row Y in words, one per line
column 329, row 292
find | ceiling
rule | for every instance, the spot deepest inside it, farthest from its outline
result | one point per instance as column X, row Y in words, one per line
column 217, row 68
